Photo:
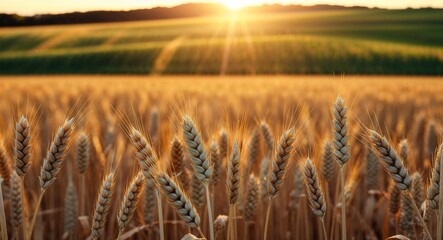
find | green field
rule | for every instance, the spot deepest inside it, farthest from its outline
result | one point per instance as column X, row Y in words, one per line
column 405, row 42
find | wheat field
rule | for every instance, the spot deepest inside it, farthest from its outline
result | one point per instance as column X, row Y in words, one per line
column 272, row 157
column 351, row 41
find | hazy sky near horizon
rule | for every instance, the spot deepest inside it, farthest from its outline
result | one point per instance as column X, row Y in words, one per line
column 29, row 7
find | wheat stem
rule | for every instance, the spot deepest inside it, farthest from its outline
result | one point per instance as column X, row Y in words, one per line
column 268, row 211
column 343, row 203
column 208, row 204
column 324, row 228
column 417, row 212
column 160, row 214
column 34, row 217
column 83, row 195
column 4, row 229
column 22, row 190
column 440, row 200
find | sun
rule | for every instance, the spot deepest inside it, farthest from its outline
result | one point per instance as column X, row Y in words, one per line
column 236, row 4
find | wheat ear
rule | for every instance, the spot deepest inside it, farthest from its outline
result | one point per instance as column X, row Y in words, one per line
column 250, row 206
column 395, row 167
column 102, row 206
column 214, row 156
column 5, row 174
column 198, row 192
column 148, row 202
column 268, row 138
column 327, row 169
column 22, row 155
column 233, row 185
column 70, row 212
column 5, row 165
column 233, row 180
column 223, row 143
column 130, row 201
column 195, row 146
column 394, row 203
column 22, row 148
column 404, row 150
column 251, row 199
column 315, row 193
column 434, row 189
column 52, row 164
column 406, row 217
column 147, row 161
column 278, row 169
column 82, row 159
column 178, row 200
column 16, row 201
column 82, row 153
column 341, row 151
column 202, row 167
column 176, row 156
column 371, row 171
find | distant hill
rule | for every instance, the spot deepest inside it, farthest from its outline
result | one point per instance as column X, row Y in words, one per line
column 181, row 11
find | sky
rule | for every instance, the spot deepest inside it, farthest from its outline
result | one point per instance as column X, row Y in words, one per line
column 30, row 7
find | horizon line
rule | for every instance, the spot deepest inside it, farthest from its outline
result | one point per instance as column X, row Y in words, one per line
column 214, row 3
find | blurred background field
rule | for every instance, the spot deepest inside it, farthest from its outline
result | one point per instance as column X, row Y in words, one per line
column 346, row 41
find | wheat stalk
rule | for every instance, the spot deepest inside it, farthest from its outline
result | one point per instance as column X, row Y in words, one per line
column 278, row 169
column 341, row 151
column 102, row 206
column 202, row 167
column 52, row 164
column 147, row 160
column 233, row 185
column 82, row 159
column 130, row 201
